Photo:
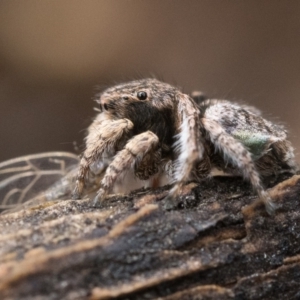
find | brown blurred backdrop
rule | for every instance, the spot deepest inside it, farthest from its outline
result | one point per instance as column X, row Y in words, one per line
column 53, row 54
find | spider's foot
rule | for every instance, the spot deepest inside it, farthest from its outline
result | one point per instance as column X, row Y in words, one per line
column 269, row 204
column 99, row 197
column 76, row 195
column 169, row 203
column 270, row 207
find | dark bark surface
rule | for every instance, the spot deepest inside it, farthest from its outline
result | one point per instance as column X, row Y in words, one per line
column 217, row 244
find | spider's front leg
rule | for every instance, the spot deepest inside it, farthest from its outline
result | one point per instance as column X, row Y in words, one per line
column 133, row 153
column 189, row 146
column 102, row 140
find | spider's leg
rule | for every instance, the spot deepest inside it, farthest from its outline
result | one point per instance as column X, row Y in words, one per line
column 149, row 165
column 189, row 146
column 203, row 168
column 235, row 152
column 134, row 151
column 102, row 139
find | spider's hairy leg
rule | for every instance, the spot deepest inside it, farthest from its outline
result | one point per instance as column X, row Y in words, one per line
column 235, row 151
column 188, row 145
column 134, row 151
column 285, row 151
column 102, row 139
column 149, row 165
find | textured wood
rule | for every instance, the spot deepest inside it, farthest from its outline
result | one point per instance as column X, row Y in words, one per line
column 217, row 244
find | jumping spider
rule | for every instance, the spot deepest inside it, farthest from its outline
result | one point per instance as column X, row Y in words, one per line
column 152, row 128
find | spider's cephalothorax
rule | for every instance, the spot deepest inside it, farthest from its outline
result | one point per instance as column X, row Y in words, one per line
column 152, row 127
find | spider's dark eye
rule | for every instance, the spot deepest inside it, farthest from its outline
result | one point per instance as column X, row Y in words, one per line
column 142, row 95
column 125, row 97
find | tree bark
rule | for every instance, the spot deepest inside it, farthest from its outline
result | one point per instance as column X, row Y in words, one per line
column 218, row 243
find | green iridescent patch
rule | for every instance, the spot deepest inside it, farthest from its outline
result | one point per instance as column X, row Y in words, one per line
column 255, row 142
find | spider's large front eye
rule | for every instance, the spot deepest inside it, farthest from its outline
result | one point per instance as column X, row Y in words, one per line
column 142, row 95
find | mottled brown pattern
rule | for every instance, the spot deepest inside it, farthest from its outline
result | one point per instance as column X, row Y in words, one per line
column 192, row 138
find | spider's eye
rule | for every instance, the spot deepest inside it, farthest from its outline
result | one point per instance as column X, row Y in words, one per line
column 142, row 95
column 125, row 97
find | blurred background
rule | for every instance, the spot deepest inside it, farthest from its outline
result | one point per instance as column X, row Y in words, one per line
column 54, row 53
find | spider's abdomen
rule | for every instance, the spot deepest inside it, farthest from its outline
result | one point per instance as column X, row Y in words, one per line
column 264, row 140
column 253, row 131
